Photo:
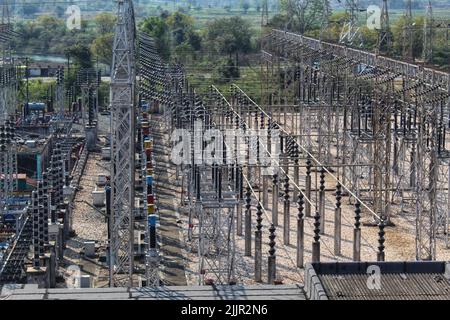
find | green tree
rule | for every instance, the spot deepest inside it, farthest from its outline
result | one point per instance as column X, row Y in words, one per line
column 81, row 55
column 398, row 28
column 105, row 22
column 101, row 47
column 183, row 53
column 230, row 36
column 174, row 34
column 441, row 56
column 195, row 41
column 304, row 15
column 227, row 71
column 181, row 25
column 279, row 21
column 369, row 37
column 157, row 28
column 51, row 23
column 38, row 90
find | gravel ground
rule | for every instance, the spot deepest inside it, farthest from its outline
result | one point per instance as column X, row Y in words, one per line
column 400, row 239
column 88, row 223
column 399, row 246
column 400, row 243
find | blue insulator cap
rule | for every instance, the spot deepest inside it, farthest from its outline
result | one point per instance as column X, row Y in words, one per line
column 152, row 220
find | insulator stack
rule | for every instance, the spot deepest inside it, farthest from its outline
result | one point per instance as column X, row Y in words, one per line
column 46, row 205
column 52, row 193
column 60, row 92
column 148, row 149
column 60, row 174
column 7, row 161
column 91, row 105
column 35, row 216
column 40, row 201
column 152, row 256
column 57, row 178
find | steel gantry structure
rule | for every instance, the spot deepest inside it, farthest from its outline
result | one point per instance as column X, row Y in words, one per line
column 211, row 198
column 374, row 125
column 379, row 123
column 123, row 114
column 11, row 267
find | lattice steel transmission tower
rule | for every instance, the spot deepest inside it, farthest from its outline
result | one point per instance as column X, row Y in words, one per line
column 6, row 32
column 122, row 93
column 8, row 83
column 408, row 39
column 427, row 54
column 427, row 167
column 264, row 13
column 8, row 97
column 350, row 30
column 384, row 35
column 325, row 16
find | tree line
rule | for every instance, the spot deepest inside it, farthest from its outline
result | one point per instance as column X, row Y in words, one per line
column 318, row 19
column 222, row 41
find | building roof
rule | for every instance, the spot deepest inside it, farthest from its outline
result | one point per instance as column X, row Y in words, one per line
column 422, row 280
column 238, row 292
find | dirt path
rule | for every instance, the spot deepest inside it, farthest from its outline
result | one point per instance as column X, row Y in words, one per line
column 167, row 195
column 88, row 224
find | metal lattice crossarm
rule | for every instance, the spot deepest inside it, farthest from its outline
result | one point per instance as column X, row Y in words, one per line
column 155, row 83
column 377, row 113
column 428, row 76
column 89, row 79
